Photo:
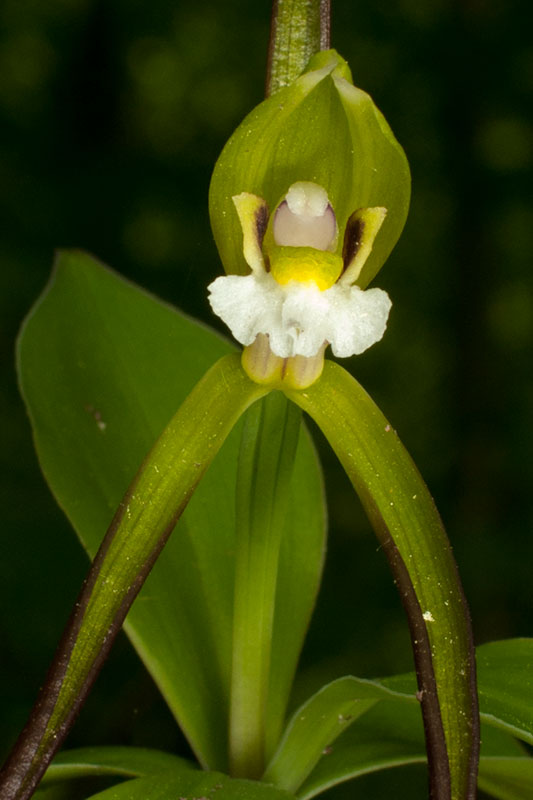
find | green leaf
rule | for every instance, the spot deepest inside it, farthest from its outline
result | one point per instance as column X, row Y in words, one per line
column 258, row 698
column 507, row 778
column 192, row 786
column 121, row 761
column 390, row 735
column 298, row 579
column 407, row 524
column 504, row 671
column 58, row 791
column 316, row 725
column 505, row 683
column 322, row 129
column 103, row 366
column 506, row 703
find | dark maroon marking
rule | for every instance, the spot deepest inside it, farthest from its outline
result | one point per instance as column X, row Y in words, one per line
column 261, row 221
column 353, row 237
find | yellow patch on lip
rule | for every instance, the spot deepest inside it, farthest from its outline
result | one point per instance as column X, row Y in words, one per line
column 305, row 264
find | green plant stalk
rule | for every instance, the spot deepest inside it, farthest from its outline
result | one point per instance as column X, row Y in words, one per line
column 299, row 29
column 266, row 460
column 409, row 528
column 138, row 532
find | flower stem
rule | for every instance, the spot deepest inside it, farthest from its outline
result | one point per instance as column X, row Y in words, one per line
column 299, row 29
column 266, row 460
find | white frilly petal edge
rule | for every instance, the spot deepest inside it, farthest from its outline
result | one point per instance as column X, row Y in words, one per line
column 299, row 318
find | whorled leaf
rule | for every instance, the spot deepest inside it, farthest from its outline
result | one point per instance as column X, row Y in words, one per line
column 506, row 772
column 317, row 750
column 316, row 725
column 505, row 686
column 505, row 679
column 260, row 680
column 192, row 785
column 507, row 778
column 391, row 735
column 125, row 762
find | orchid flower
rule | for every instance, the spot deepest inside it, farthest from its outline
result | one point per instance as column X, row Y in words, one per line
column 300, row 295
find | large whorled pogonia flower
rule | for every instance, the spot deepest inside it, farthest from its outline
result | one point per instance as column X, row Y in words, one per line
column 300, row 294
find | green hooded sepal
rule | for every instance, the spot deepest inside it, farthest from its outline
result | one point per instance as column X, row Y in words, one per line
column 322, row 129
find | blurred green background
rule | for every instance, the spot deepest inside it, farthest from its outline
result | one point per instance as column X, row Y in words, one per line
column 112, row 115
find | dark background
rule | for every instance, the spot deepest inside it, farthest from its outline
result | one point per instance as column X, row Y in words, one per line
column 112, row 115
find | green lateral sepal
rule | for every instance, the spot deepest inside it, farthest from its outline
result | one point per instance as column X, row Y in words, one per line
column 138, row 532
column 410, row 531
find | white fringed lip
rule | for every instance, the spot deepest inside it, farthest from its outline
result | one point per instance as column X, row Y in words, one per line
column 297, row 304
column 299, row 318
